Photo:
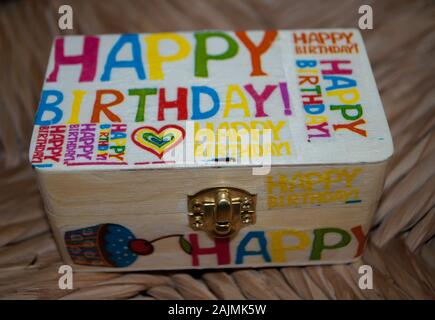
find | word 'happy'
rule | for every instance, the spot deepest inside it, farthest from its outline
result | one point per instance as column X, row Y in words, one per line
column 272, row 246
column 88, row 59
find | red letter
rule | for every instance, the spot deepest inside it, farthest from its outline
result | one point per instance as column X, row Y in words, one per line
column 180, row 104
column 335, row 67
column 104, row 107
column 260, row 98
column 352, row 127
column 257, row 51
column 88, row 59
column 321, row 127
column 221, row 249
column 361, row 237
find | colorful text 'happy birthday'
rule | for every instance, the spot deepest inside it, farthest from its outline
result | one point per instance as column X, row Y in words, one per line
column 125, row 99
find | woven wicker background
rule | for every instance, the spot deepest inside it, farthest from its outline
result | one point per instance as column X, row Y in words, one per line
column 401, row 249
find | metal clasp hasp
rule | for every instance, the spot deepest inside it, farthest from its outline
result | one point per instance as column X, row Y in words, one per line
column 221, row 212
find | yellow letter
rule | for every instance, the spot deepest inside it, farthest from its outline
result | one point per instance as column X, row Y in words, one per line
column 277, row 247
column 350, row 176
column 275, row 128
column 316, row 119
column 77, row 102
column 156, row 60
column 243, row 104
column 346, row 96
column 277, row 147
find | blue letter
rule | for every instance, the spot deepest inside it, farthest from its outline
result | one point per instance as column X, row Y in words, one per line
column 44, row 106
column 196, row 109
column 335, row 82
column 136, row 63
column 241, row 249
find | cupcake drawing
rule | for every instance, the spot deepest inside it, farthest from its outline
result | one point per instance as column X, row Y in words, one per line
column 110, row 245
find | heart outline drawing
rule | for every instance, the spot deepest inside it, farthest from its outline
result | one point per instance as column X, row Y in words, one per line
column 158, row 141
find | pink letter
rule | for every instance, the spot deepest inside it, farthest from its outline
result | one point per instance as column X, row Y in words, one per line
column 88, row 59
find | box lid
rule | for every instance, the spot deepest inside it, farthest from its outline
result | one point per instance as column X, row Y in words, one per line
column 137, row 101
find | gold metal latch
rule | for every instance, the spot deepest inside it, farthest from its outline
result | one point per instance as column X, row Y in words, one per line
column 221, row 212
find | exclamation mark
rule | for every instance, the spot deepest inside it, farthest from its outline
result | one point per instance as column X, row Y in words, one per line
column 285, row 98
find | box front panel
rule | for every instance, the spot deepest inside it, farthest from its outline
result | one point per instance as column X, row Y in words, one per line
column 292, row 237
column 160, row 192
column 305, row 215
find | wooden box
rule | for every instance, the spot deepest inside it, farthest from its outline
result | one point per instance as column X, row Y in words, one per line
column 210, row 149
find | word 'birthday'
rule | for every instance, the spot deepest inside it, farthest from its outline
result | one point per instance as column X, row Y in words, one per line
column 237, row 99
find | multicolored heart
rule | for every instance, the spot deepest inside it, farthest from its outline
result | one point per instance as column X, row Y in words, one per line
column 158, row 141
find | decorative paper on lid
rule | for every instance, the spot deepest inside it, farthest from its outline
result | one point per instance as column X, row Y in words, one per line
column 161, row 100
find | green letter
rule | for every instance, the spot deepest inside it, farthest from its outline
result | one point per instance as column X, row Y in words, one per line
column 142, row 93
column 319, row 241
column 201, row 55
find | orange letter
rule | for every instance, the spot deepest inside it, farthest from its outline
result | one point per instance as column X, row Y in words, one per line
column 257, row 51
column 104, row 107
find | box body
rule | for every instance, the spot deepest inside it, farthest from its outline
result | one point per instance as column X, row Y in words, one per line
column 130, row 126
column 295, row 227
